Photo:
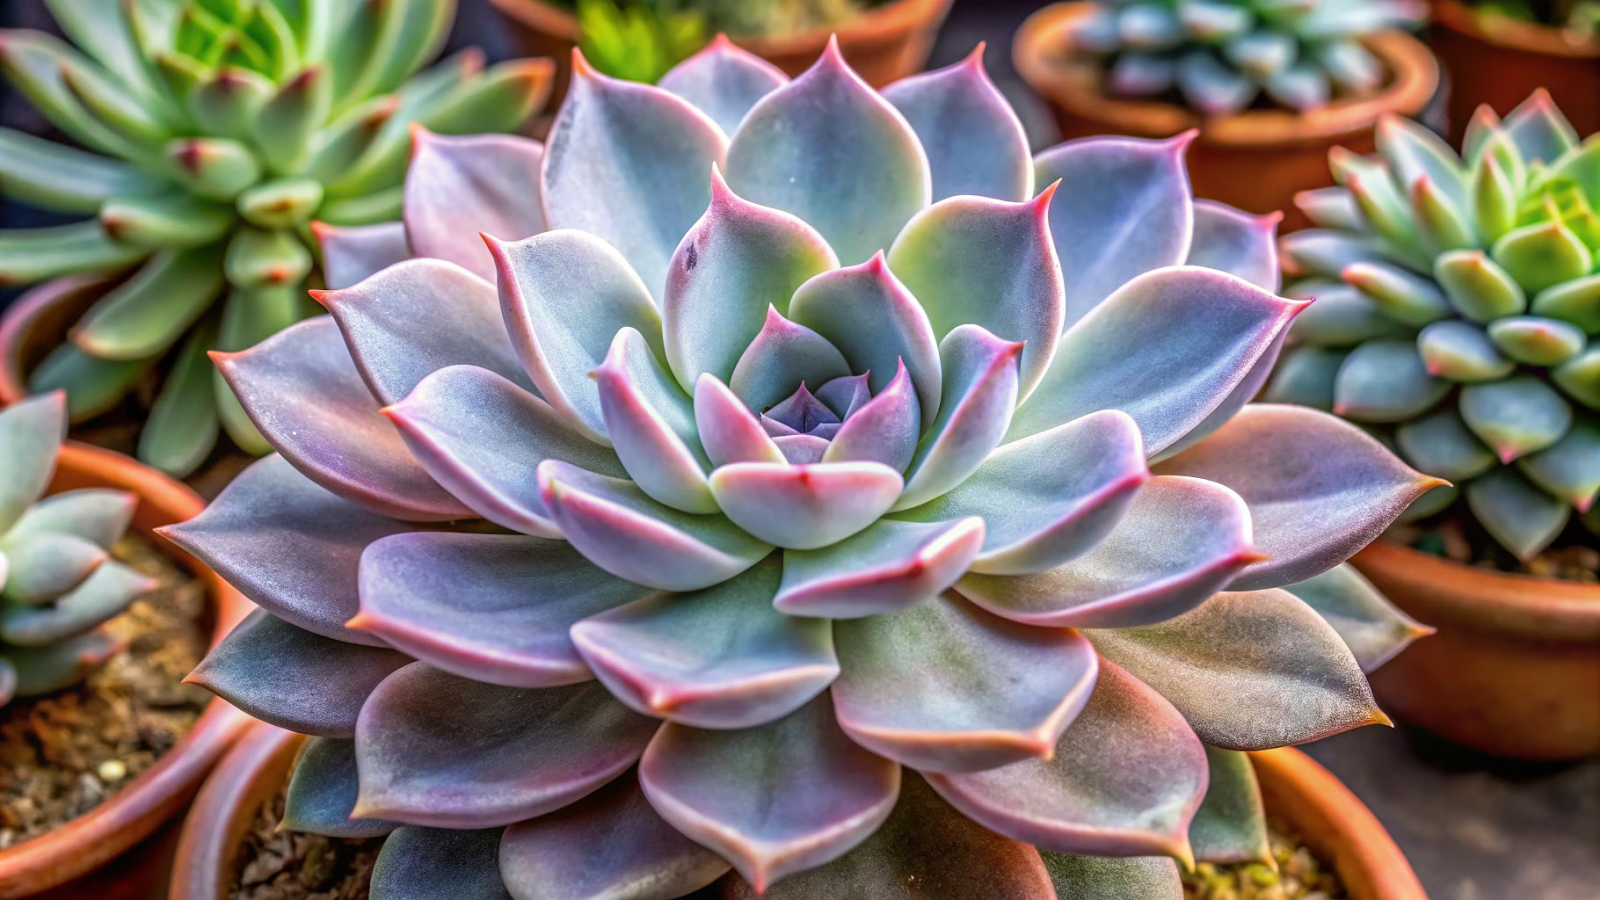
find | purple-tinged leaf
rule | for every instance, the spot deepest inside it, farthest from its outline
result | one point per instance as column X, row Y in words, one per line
column 829, row 149
column 1522, row 517
column 728, row 431
column 611, row 845
column 780, row 358
column 1231, row 824
column 352, row 255
column 723, row 81
column 1114, row 877
column 1136, row 801
column 301, row 388
column 947, row 687
column 322, row 792
column 418, row 863
column 774, row 800
column 1249, row 670
column 974, row 140
column 30, row 439
column 292, row 678
column 460, row 187
column 652, row 426
column 1248, row 389
column 884, row 429
column 1373, row 628
column 845, row 394
column 889, row 567
column 438, row 750
column 718, row 658
column 1236, row 242
column 482, row 436
column 806, row 506
column 620, row 529
column 1318, row 488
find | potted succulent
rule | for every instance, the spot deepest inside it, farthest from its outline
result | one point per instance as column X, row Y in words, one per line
column 1500, row 52
column 862, row 500
column 210, row 136
column 1270, row 84
column 1457, row 299
column 82, row 784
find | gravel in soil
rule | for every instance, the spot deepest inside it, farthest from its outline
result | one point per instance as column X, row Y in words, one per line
column 63, row 754
column 286, row 865
column 1574, row 556
column 1300, row 875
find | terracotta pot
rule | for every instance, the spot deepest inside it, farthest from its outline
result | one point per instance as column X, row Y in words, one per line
column 1256, row 160
column 37, row 323
column 884, row 44
column 1297, row 790
column 84, row 859
column 1500, row 61
column 1514, row 669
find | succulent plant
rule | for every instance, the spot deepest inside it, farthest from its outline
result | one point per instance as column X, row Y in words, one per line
column 827, row 501
column 1582, row 17
column 1456, row 297
column 1222, row 56
column 58, row 583
column 214, row 133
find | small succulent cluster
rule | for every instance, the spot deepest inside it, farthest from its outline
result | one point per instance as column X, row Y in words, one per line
column 58, row 583
column 1582, row 17
column 215, row 132
column 1223, row 56
column 828, row 491
column 1457, row 296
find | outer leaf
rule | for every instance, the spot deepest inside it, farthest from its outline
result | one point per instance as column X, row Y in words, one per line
column 30, row 438
column 723, row 81
column 351, row 255
column 1236, row 242
column 652, row 427
column 1373, row 628
column 1114, row 878
column 417, row 863
column 323, row 789
column 1386, row 381
column 98, row 515
column 1521, row 517
column 145, row 314
column 1569, row 468
column 1231, row 825
column 889, row 567
column 460, row 187
column 1517, row 416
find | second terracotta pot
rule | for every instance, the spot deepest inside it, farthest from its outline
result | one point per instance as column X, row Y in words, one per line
column 1256, row 160
column 1514, row 669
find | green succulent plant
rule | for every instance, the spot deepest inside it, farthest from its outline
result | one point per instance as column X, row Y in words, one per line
column 215, row 132
column 58, row 583
column 1580, row 16
column 1456, row 301
column 1222, row 56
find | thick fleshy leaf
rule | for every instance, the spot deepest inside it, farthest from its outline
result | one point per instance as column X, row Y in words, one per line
column 1441, row 444
column 884, row 429
column 351, row 255
column 972, row 260
column 780, row 358
column 1113, row 877
column 1233, row 241
column 611, row 845
column 1537, row 341
column 1231, row 825
column 460, row 187
column 481, row 436
column 1461, row 351
column 292, row 678
column 889, row 567
column 1569, row 468
column 31, row 671
column 652, row 427
column 493, row 608
column 1386, row 381
column 323, row 790
column 1050, row 496
column 1249, row 670
column 630, row 163
column 30, row 438
column 1341, row 316
column 1523, row 518
column 1326, row 251
column 975, row 143
column 717, row 658
column 98, row 515
column 1124, row 207
column 438, row 750
column 1181, row 540
column 1136, row 801
column 40, row 569
column 728, row 431
column 106, row 591
column 829, row 149
column 421, row 863
column 781, row 798
column 1373, row 628
column 723, row 81
column 999, row 692
column 564, row 296
column 1318, row 488
column 806, row 506
column 621, row 530
column 301, row 388
column 1517, row 416
column 1167, row 348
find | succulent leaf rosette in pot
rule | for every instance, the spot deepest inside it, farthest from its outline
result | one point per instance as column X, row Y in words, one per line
column 829, row 491
column 1457, row 299
column 212, row 134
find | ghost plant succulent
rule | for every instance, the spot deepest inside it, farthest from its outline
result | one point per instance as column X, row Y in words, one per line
column 58, row 583
column 1456, row 296
column 861, row 500
column 213, row 133
column 1222, row 56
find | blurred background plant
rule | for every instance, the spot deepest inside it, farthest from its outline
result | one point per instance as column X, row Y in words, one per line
column 1581, row 16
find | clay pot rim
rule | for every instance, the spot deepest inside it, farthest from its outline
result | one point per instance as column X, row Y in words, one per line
column 1504, row 31
column 136, row 810
column 1045, row 40
column 1331, row 819
column 880, row 26
column 17, row 323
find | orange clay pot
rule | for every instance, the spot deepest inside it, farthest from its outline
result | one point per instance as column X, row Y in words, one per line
column 1500, row 61
column 89, row 858
column 1298, row 791
column 1256, row 160
column 1514, row 669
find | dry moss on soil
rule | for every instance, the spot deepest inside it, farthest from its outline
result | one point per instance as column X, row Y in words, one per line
column 1300, row 875
column 286, row 865
column 1574, row 556
column 63, row 754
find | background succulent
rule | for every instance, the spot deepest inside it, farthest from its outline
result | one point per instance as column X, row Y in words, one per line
column 1222, row 56
column 1456, row 297
column 58, row 582
column 214, row 132
column 857, row 513
column 1581, row 16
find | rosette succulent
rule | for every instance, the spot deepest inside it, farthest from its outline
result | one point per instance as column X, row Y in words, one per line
column 1222, row 56
column 213, row 132
column 1456, row 298
column 58, row 583
column 797, row 480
